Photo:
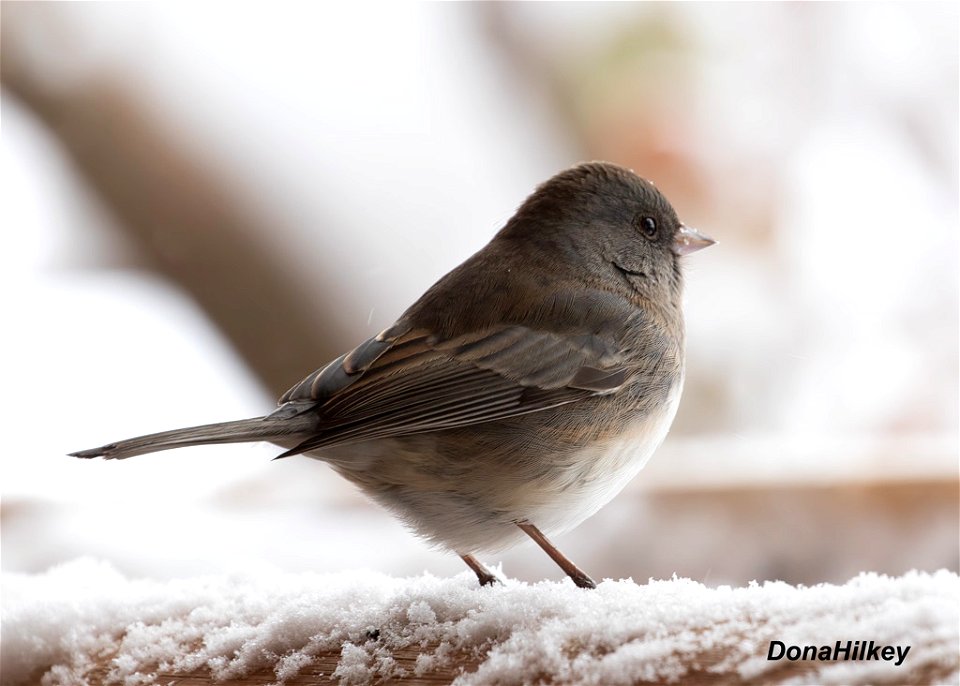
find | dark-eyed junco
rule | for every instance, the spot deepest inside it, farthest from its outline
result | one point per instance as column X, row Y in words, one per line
column 521, row 392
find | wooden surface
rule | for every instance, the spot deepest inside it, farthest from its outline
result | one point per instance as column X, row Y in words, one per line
column 319, row 673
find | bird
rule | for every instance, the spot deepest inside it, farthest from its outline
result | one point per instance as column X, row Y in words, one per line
column 521, row 392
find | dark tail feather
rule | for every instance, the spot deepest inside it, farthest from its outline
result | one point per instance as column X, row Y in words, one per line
column 257, row 429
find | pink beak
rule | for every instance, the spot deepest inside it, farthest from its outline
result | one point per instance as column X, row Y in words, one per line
column 690, row 240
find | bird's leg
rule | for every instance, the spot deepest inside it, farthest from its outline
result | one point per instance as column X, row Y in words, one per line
column 485, row 576
column 580, row 577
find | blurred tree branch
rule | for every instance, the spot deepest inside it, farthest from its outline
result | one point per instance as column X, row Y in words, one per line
column 172, row 206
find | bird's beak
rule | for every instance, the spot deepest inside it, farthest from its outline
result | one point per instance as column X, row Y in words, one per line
column 690, row 240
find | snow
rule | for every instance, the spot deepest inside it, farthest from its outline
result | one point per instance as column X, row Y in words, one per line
column 266, row 620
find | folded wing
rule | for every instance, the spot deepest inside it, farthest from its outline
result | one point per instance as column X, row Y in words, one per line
column 407, row 381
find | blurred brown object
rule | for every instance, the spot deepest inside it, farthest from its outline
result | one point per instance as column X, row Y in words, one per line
column 633, row 99
column 175, row 208
column 801, row 534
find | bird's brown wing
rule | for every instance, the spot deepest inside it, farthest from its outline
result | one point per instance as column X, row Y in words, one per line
column 407, row 381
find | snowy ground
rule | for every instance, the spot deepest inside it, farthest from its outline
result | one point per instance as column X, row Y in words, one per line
column 621, row 633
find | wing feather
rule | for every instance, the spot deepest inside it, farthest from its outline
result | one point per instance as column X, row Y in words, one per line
column 407, row 381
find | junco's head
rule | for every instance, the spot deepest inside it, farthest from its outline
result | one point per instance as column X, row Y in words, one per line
column 606, row 216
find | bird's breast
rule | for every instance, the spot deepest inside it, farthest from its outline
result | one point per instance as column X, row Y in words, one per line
column 597, row 472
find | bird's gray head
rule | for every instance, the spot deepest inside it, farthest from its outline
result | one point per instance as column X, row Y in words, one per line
column 605, row 217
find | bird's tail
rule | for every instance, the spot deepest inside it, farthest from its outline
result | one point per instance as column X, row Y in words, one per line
column 257, row 429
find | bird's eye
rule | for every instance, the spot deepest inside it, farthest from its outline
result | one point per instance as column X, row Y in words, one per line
column 647, row 226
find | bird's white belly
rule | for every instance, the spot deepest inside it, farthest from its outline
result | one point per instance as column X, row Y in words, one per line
column 605, row 469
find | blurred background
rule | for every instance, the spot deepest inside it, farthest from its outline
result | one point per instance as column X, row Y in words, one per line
column 202, row 206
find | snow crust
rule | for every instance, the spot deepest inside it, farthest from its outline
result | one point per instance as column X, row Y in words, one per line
column 266, row 620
